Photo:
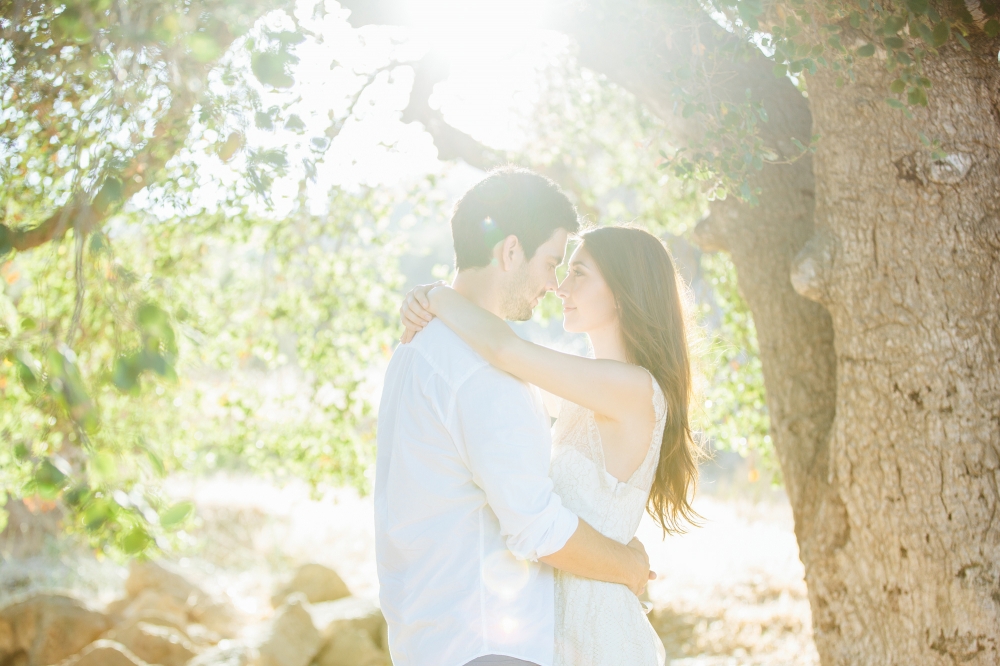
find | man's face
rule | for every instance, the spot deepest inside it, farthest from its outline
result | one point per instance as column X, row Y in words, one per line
column 529, row 280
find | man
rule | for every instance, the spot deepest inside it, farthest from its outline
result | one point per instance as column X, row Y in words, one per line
column 467, row 524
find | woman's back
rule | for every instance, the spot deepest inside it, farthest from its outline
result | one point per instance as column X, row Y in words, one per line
column 602, row 624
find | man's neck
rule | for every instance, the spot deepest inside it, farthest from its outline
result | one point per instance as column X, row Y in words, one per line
column 479, row 285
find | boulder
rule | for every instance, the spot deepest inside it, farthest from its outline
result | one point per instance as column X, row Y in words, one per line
column 127, row 624
column 104, row 653
column 149, row 603
column 47, row 628
column 226, row 653
column 290, row 638
column 162, row 579
column 332, row 617
column 218, row 617
column 317, row 582
column 352, row 646
column 201, row 635
column 160, row 588
column 156, row 644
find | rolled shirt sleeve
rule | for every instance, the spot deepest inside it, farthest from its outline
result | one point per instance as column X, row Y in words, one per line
column 505, row 433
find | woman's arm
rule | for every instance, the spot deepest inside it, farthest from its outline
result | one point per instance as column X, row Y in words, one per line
column 610, row 388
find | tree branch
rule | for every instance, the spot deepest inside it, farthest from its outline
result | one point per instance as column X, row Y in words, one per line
column 169, row 136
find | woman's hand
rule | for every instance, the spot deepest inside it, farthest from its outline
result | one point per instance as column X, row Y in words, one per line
column 415, row 310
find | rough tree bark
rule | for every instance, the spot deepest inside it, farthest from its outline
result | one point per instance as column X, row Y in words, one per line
column 888, row 439
column 907, row 261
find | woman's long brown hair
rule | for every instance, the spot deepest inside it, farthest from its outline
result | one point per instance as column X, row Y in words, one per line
column 640, row 273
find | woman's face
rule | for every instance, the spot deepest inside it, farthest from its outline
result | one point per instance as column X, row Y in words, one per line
column 588, row 304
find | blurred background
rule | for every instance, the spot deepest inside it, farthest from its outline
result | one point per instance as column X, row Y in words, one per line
column 230, row 205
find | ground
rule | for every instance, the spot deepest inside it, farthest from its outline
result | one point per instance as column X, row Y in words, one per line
column 728, row 593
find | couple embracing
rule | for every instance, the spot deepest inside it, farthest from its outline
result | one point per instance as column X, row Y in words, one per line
column 499, row 541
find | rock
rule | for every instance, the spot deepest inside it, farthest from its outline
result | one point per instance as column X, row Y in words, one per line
column 149, row 617
column 116, row 609
column 160, row 588
column 317, row 582
column 47, row 628
column 151, row 602
column 202, row 635
column 291, row 639
column 333, row 617
column 352, row 647
column 217, row 616
column 156, row 644
column 162, row 579
column 104, row 653
column 226, row 653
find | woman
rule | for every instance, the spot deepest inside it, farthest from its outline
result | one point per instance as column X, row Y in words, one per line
column 621, row 442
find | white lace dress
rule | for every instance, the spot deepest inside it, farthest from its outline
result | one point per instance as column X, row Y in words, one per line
column 602, row 624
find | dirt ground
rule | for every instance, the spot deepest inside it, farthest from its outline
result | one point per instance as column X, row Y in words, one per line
column 728, row 593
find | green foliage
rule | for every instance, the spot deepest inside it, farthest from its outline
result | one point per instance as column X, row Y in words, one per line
column 176, row 321
column 734, row 407
column 802, row 37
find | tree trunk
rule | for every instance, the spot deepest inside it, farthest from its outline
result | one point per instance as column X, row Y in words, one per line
column 907, row 261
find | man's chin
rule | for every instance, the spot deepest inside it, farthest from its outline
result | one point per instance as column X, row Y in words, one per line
column 521, row 315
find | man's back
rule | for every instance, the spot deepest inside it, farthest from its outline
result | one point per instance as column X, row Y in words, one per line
column 461, row 484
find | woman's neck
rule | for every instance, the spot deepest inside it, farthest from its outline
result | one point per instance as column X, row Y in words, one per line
column 607, row 343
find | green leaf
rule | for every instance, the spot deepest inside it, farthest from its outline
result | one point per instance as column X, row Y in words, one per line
column 894, row 103
column 893, row 42
column 263, row 120
column 111, row 193
column 916, row 96
column 925, row 33
column 176, row 515
column 894, row 24
column 897, row 86
column 918, row 7
column 104, row 466
column 28, row 372
column 125, row 374
column 295, row 123
column 152, row 317
column 855, row 20
column 963, row 41
column 135, row 541
column 866, row 51
column 49, row 478
column 941, row 33
column 203, row 47
column 5, row 240
column 992, row 28
column 270, row 68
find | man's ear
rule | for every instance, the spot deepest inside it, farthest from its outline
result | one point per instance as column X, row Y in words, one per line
column 507, row 252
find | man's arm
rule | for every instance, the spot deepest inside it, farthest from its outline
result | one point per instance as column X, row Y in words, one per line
column 590, row 554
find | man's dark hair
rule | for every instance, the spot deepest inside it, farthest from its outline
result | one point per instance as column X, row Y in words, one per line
column 509, row 201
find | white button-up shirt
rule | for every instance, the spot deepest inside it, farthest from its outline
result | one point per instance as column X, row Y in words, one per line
column 463, row 508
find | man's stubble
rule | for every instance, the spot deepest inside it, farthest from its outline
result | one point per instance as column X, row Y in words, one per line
column 516, row 300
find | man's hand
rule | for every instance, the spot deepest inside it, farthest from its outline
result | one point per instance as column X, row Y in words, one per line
column 643, row 574
column 414, row 311
column 590, row 554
